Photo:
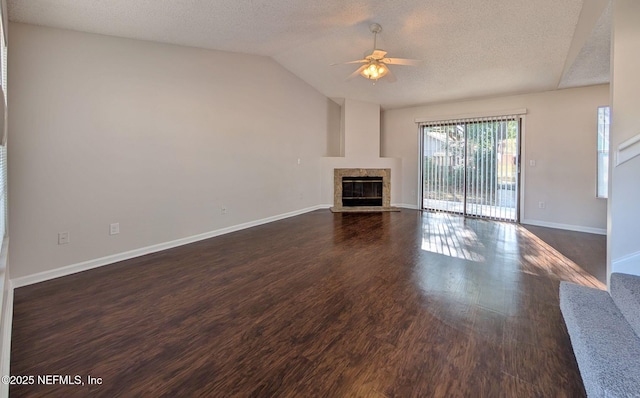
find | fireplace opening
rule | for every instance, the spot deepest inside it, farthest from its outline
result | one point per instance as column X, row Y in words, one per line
column 361, row 191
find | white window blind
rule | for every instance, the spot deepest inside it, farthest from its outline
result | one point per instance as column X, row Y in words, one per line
column 603, row 152
column 470, row 166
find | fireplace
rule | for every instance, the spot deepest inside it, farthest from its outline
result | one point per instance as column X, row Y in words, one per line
column 361, row 191
column 365, row 190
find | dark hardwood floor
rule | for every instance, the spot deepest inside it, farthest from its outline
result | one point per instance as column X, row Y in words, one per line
column 588, row 250
column 406, row 304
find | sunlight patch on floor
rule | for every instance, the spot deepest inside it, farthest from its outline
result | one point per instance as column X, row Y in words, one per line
column 452, row 240
column 546, row 260
column 501, row 248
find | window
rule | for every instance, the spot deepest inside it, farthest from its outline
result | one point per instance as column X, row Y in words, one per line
column 603, row 151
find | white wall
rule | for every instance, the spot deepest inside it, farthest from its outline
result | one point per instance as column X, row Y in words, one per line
column 560, row 135
column 153, row 136
column 624, row 210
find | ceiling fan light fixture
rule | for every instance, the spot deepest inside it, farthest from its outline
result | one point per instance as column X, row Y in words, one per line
column 374, row 70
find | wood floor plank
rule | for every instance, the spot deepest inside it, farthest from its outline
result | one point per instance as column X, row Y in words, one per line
column 405, row 304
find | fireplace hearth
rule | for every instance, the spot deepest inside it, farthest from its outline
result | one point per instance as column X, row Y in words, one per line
column 362, row 190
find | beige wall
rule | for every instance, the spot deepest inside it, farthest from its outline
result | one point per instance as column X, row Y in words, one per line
column 560, row 135
column 624, row 210
column 361, row 129
column 153, row 136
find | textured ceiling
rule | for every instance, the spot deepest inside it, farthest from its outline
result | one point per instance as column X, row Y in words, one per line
column 469, row 48
column 593, row 61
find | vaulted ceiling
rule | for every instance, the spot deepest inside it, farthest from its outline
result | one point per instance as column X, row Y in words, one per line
column 469, row 48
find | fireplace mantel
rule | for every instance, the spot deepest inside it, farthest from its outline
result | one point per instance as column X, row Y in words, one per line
column 338, row 175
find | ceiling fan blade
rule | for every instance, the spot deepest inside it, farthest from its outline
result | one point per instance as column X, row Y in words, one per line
column 401, row 61
column 356, row 73
column 390, row 77
column 360, row 61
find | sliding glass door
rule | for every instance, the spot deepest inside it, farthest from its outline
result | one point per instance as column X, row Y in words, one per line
column 470, row 167
column 444, row 162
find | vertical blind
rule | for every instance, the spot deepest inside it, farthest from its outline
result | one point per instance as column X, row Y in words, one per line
column 3, row 145
column 470, row 166
column 604, row 116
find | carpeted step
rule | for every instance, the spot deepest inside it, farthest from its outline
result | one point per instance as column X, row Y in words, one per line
column 625, row 291
column 605, row 345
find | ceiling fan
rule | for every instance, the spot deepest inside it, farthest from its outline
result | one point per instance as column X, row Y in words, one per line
column 376, row 64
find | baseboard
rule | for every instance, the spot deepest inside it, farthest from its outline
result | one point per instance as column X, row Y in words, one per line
column 407, row 206
column 7, row 323
column 114, row 258
column 568, row 227
column 629, row 264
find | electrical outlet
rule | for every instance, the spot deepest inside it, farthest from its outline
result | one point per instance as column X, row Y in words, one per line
column 63, row 238
column 541, row 205
column 224, row 210
column 114, row 228
column 299, row 161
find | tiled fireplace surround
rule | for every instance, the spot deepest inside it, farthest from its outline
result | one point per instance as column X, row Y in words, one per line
column 386, row 190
